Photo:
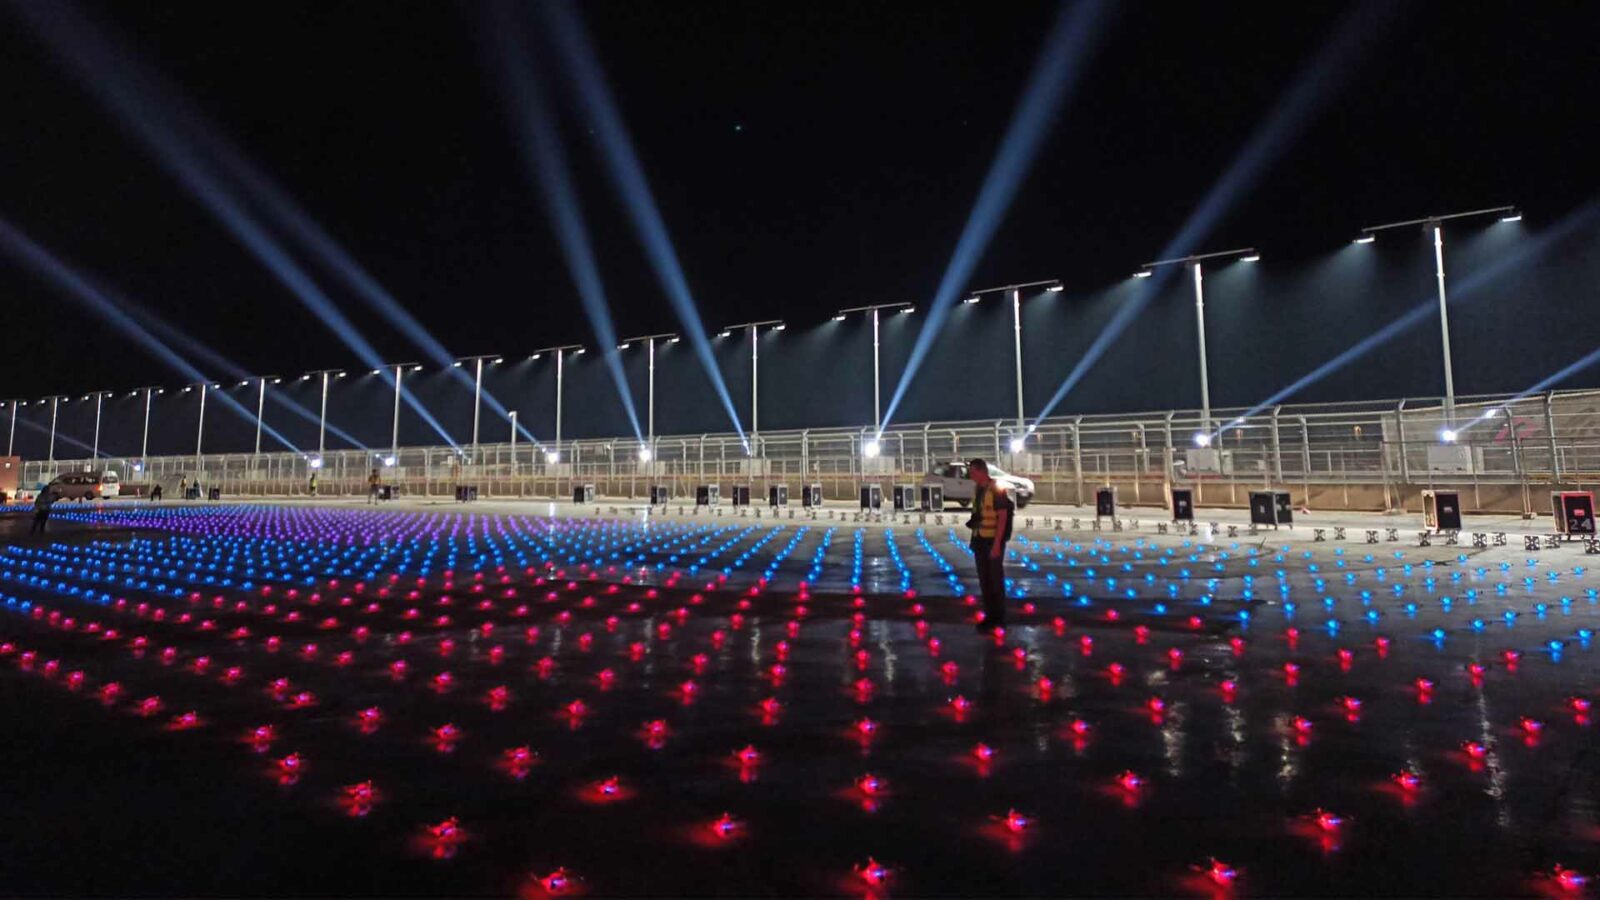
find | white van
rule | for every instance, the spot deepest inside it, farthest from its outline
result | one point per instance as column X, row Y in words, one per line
column 86, row 486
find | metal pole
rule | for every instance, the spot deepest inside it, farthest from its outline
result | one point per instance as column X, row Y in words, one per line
column 394, row 428
column 52, row 454
column 1444, row 328
column 477, row 401
column 11, row 439
column 322, row 420
column 755, row 408
column 144, row 446
column 559, row 376
column 1200, row 322
column 650, row 415
column 1016, row 327
column 200, row 429
column 261, row 406
column 877, row 414
column 513, row 443
column 94, row 452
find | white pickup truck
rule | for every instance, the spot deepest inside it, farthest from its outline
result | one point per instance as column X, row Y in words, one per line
column 952, row 477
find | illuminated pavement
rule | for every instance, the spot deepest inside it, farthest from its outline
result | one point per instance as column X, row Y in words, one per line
column 282, row 700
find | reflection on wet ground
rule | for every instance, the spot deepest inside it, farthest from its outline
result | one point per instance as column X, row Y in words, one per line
column 279, row 700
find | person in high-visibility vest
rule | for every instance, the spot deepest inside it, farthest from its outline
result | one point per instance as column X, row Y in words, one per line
column 992, row 512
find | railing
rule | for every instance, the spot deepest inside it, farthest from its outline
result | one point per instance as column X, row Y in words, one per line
column 1368, row 455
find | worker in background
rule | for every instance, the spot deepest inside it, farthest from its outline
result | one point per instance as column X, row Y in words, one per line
column 374, row 483
column 992, row 514
column 311, row 485
column 183, row 487
column 41, row 509
column 155, row 492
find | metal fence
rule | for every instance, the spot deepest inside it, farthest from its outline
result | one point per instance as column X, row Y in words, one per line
column 1360, row 455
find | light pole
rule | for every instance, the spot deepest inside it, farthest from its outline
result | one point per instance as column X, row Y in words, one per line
column 873, row 310
column 648, row 452
column 1054, row 286
column 477, row 390
column 400, row 370
column 755, row 369
column 144, row 444
column 200, row 427
column 261, row 401
column 554, row 454
column 512, row 414
column 99, row 402
column 1243, row 254
column 322, row 418
column 1435, row 224
column 55, row 401
column 11, row 440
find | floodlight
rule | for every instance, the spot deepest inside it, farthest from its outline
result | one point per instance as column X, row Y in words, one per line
column 389, row 461
column 316, row 462
column 1448, row 435
column 1143, row 273
column 872, row 449
column 1254, row 257
column 1365, row 239
column 623, row 345
column 839, row 317
column 971, row 300
column 1055, row 288
column 724, row 334
column 552, row 456
column 644, row 454
column 1017, row 444
column 1513, row 216
column 1201, row 439
column 908, row 310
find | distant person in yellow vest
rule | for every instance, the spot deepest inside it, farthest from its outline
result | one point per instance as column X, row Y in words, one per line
column 992, row 512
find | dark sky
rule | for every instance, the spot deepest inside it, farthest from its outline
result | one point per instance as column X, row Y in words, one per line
column 805, row 156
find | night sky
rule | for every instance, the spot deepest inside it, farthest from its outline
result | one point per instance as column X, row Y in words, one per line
column 811, row 156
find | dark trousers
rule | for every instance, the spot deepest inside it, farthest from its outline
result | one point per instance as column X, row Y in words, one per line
column 40, row 516
column 991, row 579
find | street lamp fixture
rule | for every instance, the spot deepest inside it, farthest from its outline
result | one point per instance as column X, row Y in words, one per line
column 873, row 310
column 755, row 366
column 1196, row 264
column 649, row 341
column 1053, row 284
column 554, row 455
column 477, row 389
column 1435, row 225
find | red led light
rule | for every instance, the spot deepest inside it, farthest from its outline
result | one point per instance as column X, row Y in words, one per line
column 1328, row 821
column 983, row 753
column 1579, row 704
column 749, row 755
column 1302, row 725
column 1568, row 880
column 558, row 882
column 873, row 873
column 1408, row 781
column 961, row 705
column 497, row 697
column 725, row 826
column 1156, row 705
column 1530, row 726
column 866, row 727
column 1475, row 749
column 1130, row 782
column 1016, row 822
column 1221, row 873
